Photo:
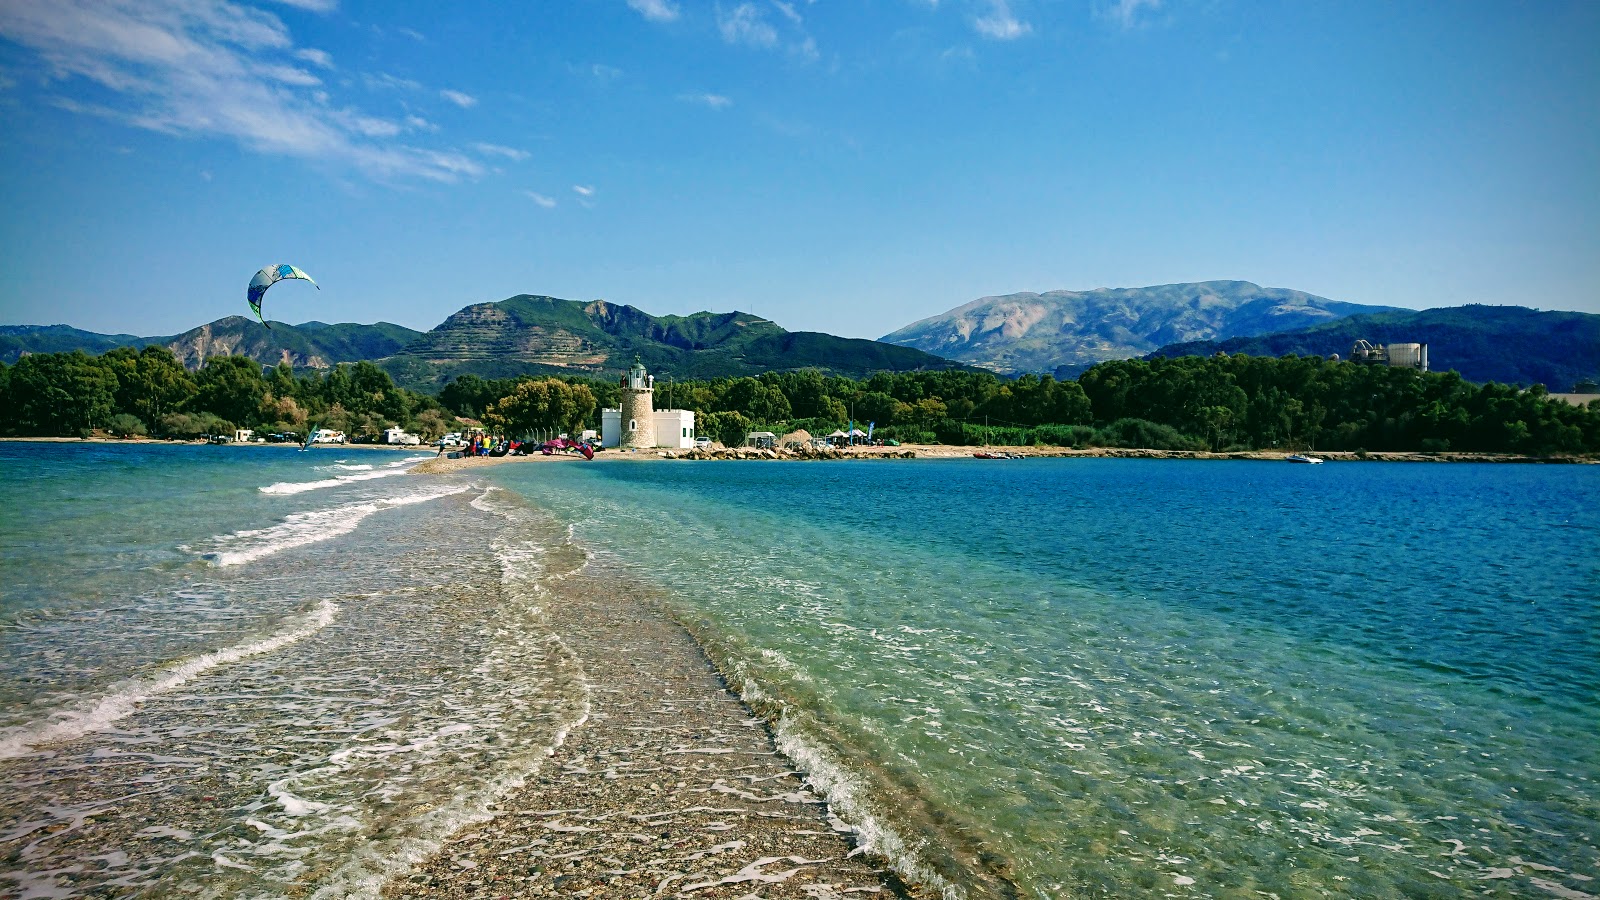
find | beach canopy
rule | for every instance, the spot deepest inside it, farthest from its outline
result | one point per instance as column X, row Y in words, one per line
column 838, row 433
column 267, row 277
column 856, row 432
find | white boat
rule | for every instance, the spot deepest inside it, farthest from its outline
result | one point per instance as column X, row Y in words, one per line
column 1301, row 458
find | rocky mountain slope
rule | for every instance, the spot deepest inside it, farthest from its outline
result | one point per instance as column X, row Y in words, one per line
column 311, row 344
column 545, row 335
column 1508, row 344
column 1065, row 332
column 519, row 336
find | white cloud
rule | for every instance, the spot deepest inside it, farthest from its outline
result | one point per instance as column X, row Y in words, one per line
column 318, row 58
column 211, row 68
column 715, row 101
column 745, row 24
column 312, row 5
column 583, row 190
column 1000, row 24
column 368, row 126
column 385, row 81
column 542, row 200
column 788, row 11
column 418, row 123
column 655, row 10
column 1130, row 13
column 465, row 101
column 605, row 73
column 510, row 153
column 290, row 75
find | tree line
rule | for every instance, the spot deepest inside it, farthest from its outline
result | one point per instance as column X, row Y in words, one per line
column 129, row 392
column 1189, row 403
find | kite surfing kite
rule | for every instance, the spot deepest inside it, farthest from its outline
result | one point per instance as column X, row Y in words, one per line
column 268, row 277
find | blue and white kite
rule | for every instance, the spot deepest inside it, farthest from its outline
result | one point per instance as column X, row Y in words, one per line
column 268, row 277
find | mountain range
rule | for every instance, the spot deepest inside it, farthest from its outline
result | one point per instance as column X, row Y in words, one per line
column 535, row 335
column 1508, row 344
column 310, row 344
column 1062, row 332
column 522, row 335
column 1065, row 332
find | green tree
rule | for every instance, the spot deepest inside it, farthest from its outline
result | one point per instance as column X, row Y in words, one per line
column 230, row 387
column 125, row 425
column 150, row 382
column 61, row 393
column 542, row 404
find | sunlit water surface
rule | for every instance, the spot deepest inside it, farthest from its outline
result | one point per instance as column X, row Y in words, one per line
column 252, row 672
column 1120, row 677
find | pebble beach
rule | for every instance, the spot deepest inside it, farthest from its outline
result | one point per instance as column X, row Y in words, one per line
column 670, row 787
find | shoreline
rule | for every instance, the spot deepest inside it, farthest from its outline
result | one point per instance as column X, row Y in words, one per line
column 670, row 785
column 442, row 464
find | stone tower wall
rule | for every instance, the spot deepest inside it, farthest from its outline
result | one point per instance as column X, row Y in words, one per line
column 638, row 405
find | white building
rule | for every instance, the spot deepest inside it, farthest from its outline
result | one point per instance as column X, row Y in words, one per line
column 638, row 423
column 673, row 428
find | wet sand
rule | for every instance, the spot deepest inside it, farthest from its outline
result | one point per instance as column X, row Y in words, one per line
column 671, row 787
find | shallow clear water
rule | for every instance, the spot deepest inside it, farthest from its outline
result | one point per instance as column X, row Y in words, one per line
column 216, row 684
column 252, row 672
column 1113, row 677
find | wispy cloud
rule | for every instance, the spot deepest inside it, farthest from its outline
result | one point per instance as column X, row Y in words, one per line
column 1131, row 13
column 604, row 73
column 655, row 10
column 1000, row 24
column 212, row 68
column 583, row 190
column 788, row 11
column 465, row 101
column 510, row 153
column 745, row 24
column 318, row 58
column 385, row 81
column 312, row 5
column 715, row 101
column 542, row 200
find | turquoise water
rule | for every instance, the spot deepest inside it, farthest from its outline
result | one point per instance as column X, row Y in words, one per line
column 1120, row 677
column 246, row 672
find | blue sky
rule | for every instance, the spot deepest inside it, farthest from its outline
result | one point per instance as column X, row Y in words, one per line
column 846, row 166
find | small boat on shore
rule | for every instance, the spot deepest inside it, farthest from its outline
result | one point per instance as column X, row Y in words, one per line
column 994, row 454
column 1302, row 458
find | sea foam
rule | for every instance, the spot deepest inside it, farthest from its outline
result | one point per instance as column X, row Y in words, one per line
column 366, row 472
column 310, row 527
column 66, row 724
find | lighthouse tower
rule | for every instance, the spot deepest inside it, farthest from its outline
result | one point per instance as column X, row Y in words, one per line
column 638, row 408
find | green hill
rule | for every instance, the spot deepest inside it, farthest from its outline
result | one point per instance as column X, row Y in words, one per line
column 15, row 340
column 1508, row 344
column 522, row 335
column 533, row 335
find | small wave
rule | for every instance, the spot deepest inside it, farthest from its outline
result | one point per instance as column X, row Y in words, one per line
column 360, row 467
column 300, row 487
column 300, row 529
column 67, row 724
